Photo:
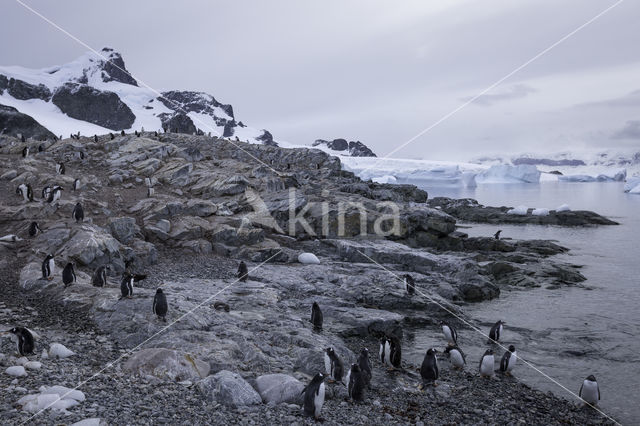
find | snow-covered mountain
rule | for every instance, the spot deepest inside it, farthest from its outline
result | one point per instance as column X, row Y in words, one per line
column 342, row 147
column 95, row 94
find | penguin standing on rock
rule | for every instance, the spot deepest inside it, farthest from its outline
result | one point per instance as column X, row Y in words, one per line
column 335, row 366
column 23, row 139
column 497, row 234
column 314, row 396
column 243, row 271
column 126, row 286
column 95, row 138
column 29, row 192
column 590, row 391
column 487, row 364
column 456, row 356
column 365, row 365
column 112, row 136
column 76, row 185
column 449, row 332
column 22, row 190
column 356, row 384
column 316, row 316
column 25, row 152
column 160, row 306
column 24, row 340
column 48, row 267
column 99, row 278
column 78, row 213
column 68, row 275
column 396, row 352
column 496, row 332
column 508, row 361
column 60, row 169
column 34, row 229
column 385, row 350
column 122, row 133
column 429, row 368
column 54, row 194
column 45, row 192
column 409, row 284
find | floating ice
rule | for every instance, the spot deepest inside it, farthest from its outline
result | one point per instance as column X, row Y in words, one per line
column 632, row 186
column 505, row 173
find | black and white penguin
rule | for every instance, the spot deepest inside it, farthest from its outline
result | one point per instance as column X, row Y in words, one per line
column 60, row 169
column 160, row 306
column 409, row 284
column 155, row 134
column 243, row 271
column 99, row 278
column 333, row 365
column 29, row 192
column 76, row 184
column 45, row 192
column 150, row 192
column 34, row 229
column 487, row 364
column 25, row 152
column 24, row 340
column 81, row 155
column 78, row 213
column 68, row 275
column 147, row 182
column 137, row 134
column 10, row 238
column 356, row 383
column 508, row 361
column 590, row 391
column 385, row 351
column 314, row 396
column 449, row 332
column 126, row 286
column 497, row 234
column 365, row 365
column 55, row 194
column 22, row 191
column 122, row 133
column 23, row 139
column 48, row 267
column 95, row 138
column 456, row 356
column 112, row 136
column 429, row 368
column 496, row 331
column 396, row 352
column 316, row 316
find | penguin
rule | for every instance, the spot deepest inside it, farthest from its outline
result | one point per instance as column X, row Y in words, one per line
column 122, row 133
column 23, row 139
column 150, row 192
column 112, row 136
column 29, row 193
column 336, row 368
column 356, row 383
column 22, row 190
column 316, row 316
column 147, row 182
column 99, row 278
column 449, row 332
column 81, row 154
column 508, row 361
column 429, row 367
column 60, row 169
column 72, row 136
column 11, row 238
column 221, row 306
column 409, row 284
column 54, row 195
column 590, row 391
column 24, row 340
column 160, row 305
column 395, row 355
column 314, row 396
column 95, row 138
column 76, row 185
column 126, row 286
column 45, row 192
column 243, row 271
column 385, row 350
column 34, row 229
column 48, row 267
column 68, row 275
column 486, row 364
column 25, row 152
column 78, row 213
column 496, row 332
column 497, row 234
column 155, row 134
column 365, row 365
column 456, row 356
column 137, row 134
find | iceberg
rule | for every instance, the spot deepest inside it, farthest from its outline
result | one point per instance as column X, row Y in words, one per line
column 615, row 175
column 632, row 185
column 504, row 173
column 540, row 212
column 519, row 211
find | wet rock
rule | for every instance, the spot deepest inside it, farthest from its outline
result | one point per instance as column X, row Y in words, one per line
column 229, row 389
column 279, row 388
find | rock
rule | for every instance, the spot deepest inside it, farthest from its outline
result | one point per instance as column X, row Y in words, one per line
column 58, row 398
column 15, row 123
column 10, row 174
column 58, row 350
column 91, row 246
column 308, row 259
column 201, row 208
column 279, row 388
column 94, row 421
column 33, row 365
column 167, row 364
column 16, row 371
column 123, row 229
column 229, row 389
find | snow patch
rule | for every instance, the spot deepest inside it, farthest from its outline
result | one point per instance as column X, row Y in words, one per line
column 540, row 212
column 564, row 208
column 519, row 211
column 385, row 179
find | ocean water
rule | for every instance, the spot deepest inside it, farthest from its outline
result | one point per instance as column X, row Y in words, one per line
column 571, row 332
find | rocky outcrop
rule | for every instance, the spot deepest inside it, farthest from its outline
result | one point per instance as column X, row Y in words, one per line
column 14, row 123
column 22, row 90
column 113, row 69
column 230, row 389
column 166, row 364
column 354, row 149
column 177, row 123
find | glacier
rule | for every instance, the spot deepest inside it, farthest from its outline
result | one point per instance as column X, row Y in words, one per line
column 632, row 185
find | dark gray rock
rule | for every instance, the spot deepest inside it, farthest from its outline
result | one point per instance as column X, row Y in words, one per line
column 23, row 90
column 114, row 69
column 279, row 388
column 177, row 123
column 229, row 389
column 124, row 229
column 14, row 123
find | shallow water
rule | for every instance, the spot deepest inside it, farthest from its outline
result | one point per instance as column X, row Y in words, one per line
column 570, row 332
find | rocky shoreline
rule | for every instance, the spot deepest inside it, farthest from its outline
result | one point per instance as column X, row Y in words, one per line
column 244, row 365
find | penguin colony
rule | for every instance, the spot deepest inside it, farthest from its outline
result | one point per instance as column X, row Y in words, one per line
column 356, row 380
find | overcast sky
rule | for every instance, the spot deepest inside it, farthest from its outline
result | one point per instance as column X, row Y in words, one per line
column 375, row 71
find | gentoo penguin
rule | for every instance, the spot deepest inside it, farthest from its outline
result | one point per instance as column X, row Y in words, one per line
column 76, row 184
column 365, row 365
column 25, row 152
column 150, row 192
column 356, row 383
column 243, row 271
column 409, row 284
column 496, row 331
column 60, row 169
column 336, row 368
column 456, row 356
column 122, row 133
column 508, row 361
column 429, row 367
column 160, row 306
column 29, row 192
column 316, row 316
column 68, row 275
column 486, row 364
column 34, row 229
column 54, row 195
column 385, row 350
column 99, row 278
column 78, row 213
column 497, row 234
column 112, row 136
column 147, row 182
column 314, row 396
column 81, row 154
column 395, row 354
column 22, row 190
column 155, row 134
column 45, row 192
column 24, row 340
column 95, row 138
column 137, row 134
column 590, row 391
column 23, row 139
column 48, row 267
column 449, row 332
column 126, row 286
column 10, row 238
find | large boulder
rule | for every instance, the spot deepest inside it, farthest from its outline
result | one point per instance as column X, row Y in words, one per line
column 91, row 246
column 278, row 388
column 124, row 229
column 167, row 364
column 229, row 389
column 14, row 123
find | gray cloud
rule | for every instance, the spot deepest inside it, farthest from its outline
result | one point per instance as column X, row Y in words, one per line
column 514, row 92
column 629, row 100
column 631, row 130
